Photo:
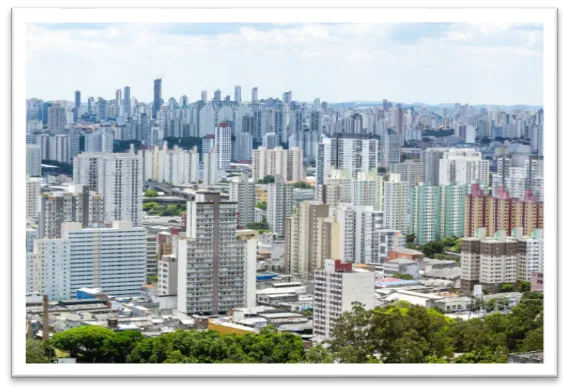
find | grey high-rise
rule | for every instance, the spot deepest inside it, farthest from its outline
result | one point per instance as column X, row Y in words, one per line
column 77, row 105
column 157, row 97
column 126, row 102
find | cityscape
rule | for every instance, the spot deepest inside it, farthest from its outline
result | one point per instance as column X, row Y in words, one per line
column 248, row 228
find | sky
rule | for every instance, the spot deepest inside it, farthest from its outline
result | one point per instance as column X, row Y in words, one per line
column 431, row 63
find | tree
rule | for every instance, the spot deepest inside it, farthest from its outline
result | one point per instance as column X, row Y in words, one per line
column 117, row 347
column 506, row 288
column 430, row 248
column 524, row 286
column 262, row 205
column 84, row 343
column 152, row 278
column 410, row 238
column 267, row 180
column 36, row 351
column 302, row 185
column 151, row 193
column 151, row 207
column 318, row 354
column 403, row 276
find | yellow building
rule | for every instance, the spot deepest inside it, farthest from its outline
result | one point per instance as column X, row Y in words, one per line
column 226, row 327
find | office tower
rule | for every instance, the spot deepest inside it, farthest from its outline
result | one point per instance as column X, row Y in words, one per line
column 101, row 110
column 352, row 152
column 302, row 245
column 203, row 96
column 33, row 160
column 77, row 106
column 237, row 94
column 157, row 97
column 530, row 254
column 325, row 107
column 34, row 110
column 206, row 120
column 208, row 143
column 113, row 259
column 176, row 166
column 425, row 213
column 56, row 118
column 99, row 141
column 243, row 147
column 210, row 173
column 396, row 203
column 118, row 178
column 33, row 191
column 242, row 191
column 391, row 150
column 278, row 162
column 250, row 241
column 410, row 171
column 48, row 269
column 211, row 260
column 78, row 204
column 223, row 145
column 501, row 212
column 280, row 204
column 255, row 95
column 126, row 103
column 31, row 237
column 452, row 210
column 270, row 140
column 430, row 160
column 349, row 286
column 463, row 166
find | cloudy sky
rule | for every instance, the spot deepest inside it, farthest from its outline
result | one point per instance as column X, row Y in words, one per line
column 405, row 62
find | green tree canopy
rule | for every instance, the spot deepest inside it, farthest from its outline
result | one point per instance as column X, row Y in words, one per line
column 84, row 343
column 151, row 193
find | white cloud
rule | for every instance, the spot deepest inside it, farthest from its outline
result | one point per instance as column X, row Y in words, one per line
column 336, row 62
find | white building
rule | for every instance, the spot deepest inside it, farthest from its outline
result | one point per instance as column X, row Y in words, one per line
column 278, row 162
column 396, row 203
column 280, row 203
column 336, row 288
column 99, row 141
column 357, row 154
column 49, row 268
column 33, row 191
column 176, row 166
column 223, row 146
column 463, row 166
column 33, row 160
column 113, row 259
column 118, row 178
column 210, row 172
column 167, row 272
column 242, row 191
column 211, row 260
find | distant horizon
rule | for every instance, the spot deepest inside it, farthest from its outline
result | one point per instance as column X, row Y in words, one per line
column 336, row 62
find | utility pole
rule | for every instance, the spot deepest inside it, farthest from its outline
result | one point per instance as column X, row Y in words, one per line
column 45, row 333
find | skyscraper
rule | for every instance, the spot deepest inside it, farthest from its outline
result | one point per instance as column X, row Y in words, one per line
column 126, row 103
column 223, row 145
column 425, row 213
column 237, row 94
column 280, row 203
column 255, row 95
column 211, row 260
column 77, row 106
column 157, row 97
column 396, row 203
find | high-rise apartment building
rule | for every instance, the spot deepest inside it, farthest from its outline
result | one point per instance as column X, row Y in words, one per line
column 56, row 117
column 33, row 191
column 237, row 94
column 157, row 97
column 33, row 160
column 118, row 178
column 302, row 238
column 211, row 260
column 176, row 166
column 430, row 159
column 223, row 146
column 463, row 166
column 278, row 162
column 113, row 259
column 280, row 204
column 452, row 210
column 336, row 288
column 78, row 204
column 352, row 152
column 396, row 203
column 99, row 141
column 210, row 172
column 242, row 191
column 425, row 213
column 48, row 269
column 77, row 106
column 410, row 171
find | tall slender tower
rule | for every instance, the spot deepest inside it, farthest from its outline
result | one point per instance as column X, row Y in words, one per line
column 157, row 97
column 77, row 105
column 126, row 102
